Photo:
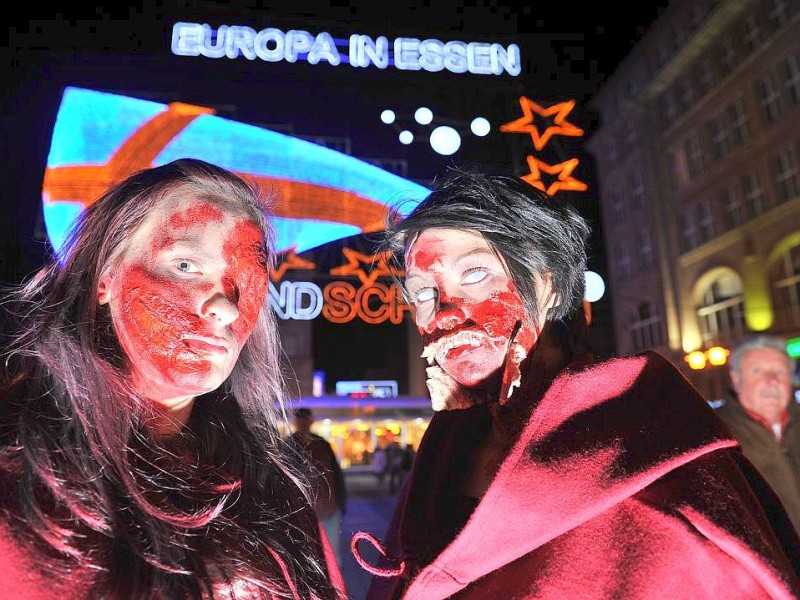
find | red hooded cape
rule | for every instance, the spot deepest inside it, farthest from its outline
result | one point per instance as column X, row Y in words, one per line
column 623, row 484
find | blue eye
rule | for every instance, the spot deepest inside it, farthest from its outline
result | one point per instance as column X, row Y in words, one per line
column 186, row 266
column 475, row 275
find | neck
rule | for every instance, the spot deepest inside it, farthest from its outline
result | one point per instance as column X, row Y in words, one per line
column 169, row 419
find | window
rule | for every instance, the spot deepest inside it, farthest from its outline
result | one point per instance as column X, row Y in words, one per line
column 786, row 284
column 662, row 55
column 611, row 150
column 705, row 221
column 631, row 135
column 645, row 249
column 687, row 92
column 645, row 327
column 678, row 36
column 687, row 231
column 753, row 194
column 769, row 99
column 737, row 119
column 636, row 183
column 752, row 32
column 732, row 207
column 617, row 208
column 721, row 311
column 698, row 14
column 790, row 74
column 679, row 169
column 694, row 155
column 623, row 260
column 784, row 170
column 728, row 58
column 718, row 137
column 778, row 13
column 669, row 110
column 707, row 77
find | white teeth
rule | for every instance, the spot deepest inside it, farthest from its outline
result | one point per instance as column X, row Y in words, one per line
column 438, row 350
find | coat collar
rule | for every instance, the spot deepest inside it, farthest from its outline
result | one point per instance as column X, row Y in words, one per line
column 597, row 437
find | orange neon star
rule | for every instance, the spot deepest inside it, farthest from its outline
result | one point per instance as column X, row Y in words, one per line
column 565, row 181
column 290, row 260
column 560, row 125
column 379, row 266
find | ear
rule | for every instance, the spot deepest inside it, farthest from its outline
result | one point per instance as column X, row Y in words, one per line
column 546, row 293
column 104, row 290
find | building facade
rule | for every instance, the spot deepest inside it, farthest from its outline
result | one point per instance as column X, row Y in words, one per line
column 698, row 156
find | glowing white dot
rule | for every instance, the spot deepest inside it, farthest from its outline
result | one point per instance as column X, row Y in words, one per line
column 406, row 137
column 595, row 286
column 387, row 116
column 445, row 140
column 423, row 115
column 480, row 126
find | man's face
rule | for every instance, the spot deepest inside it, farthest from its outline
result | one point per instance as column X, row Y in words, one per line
column 764, row 382
column 465, row 305
column 185, row 296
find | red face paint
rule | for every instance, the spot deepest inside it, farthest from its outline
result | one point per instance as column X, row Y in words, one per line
column 186, row 297
column 467, row 307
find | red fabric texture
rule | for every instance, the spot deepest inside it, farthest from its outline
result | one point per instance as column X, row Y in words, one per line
column 623, row 484
column 334, row 570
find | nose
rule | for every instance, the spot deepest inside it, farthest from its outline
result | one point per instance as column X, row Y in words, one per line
column 448, row 314
column 220, row 308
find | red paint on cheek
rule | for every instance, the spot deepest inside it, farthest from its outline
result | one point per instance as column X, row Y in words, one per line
column 499, row 314
column 246, row 257
column 154, row 315
column 197, row 215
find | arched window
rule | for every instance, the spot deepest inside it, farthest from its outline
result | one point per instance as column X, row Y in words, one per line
column 721, row 310
column 785, row 277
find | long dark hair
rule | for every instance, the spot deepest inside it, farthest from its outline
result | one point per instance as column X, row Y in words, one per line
column 222, row 504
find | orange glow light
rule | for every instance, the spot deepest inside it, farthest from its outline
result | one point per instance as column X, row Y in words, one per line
column 558, row 113
column 565, row 181
column 696, row 360
column 718, row 355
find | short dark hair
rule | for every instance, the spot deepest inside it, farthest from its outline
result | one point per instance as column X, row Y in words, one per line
column 533, row 233
column 303, row 413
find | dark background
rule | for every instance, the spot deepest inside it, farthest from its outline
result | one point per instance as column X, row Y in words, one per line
column 567, row 53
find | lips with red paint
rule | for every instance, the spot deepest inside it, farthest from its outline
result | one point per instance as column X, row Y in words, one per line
column 205, row 346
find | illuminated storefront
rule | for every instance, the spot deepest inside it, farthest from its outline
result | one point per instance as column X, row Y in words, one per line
column 357, row 426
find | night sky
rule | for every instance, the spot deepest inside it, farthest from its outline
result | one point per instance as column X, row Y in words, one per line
column 566, row 54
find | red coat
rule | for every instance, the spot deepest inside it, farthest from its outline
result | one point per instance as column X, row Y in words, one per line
column 623, row 485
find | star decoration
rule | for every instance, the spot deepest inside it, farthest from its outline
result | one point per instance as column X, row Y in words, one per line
column 290, row 260
column 560, row 125
column 565, row 181
column 379, row 266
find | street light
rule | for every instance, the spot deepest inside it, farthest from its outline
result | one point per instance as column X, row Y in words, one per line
column 716, row 356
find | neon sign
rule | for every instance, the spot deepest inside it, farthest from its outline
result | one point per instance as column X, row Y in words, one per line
column 555, row 123
column 339, row 301
column 361, row 51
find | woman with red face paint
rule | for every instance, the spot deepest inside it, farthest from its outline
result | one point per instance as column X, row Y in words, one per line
column 544, row 473
column 140, row 454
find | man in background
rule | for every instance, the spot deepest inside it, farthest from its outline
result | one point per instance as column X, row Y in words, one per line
column 326, row 477
column 765, row 417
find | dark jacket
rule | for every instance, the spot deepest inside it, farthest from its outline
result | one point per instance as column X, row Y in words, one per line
column 777, row 461
column 623, row 484
column 325, row 474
